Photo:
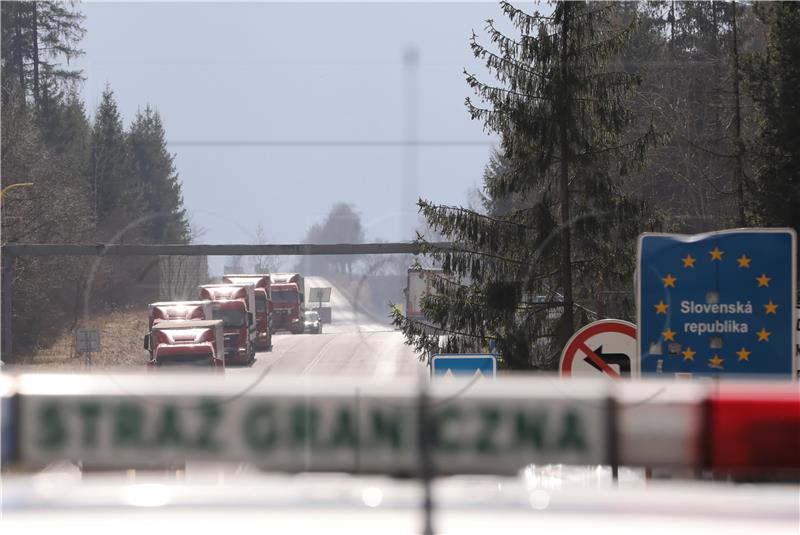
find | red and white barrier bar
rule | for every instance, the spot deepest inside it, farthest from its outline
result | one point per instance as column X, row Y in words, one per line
column 349, row 425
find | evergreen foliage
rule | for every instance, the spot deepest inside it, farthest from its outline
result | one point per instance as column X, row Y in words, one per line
column 38, row 38
column 92, row 182
column 558, row 229
column 113, row 193
column 773, row 81
column 687, row 54
column 154, row 172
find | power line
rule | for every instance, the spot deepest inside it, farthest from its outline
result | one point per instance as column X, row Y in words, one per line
column 328, row 143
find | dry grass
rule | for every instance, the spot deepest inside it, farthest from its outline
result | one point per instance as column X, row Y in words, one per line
column 121, row 335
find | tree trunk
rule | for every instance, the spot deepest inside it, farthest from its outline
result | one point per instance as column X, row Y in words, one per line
column 737, row 124
column 672, row 28
column 566, row 254
column 18, row 50
column 35, row 26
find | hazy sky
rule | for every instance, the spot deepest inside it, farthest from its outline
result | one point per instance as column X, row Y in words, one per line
column 223, row 74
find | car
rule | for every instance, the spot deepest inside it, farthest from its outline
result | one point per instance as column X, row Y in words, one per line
column 311, row 322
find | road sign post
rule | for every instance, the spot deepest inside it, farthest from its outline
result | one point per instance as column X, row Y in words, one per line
column 87, row 341
column 717, row 304
column 605, row 347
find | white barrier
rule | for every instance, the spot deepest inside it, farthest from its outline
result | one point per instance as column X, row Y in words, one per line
column 307, row 424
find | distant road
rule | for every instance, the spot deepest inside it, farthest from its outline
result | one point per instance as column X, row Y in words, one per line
column 353, row 344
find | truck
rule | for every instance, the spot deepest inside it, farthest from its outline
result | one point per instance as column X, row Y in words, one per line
column 197, row 343
column 234, row 304
column 319, row 300
column 178, row 310
column 263, row 292
column 288, row 302
column 419, row 284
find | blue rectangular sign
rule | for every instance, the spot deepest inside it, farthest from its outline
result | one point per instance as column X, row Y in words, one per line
column 464, row 365
column 714, row 304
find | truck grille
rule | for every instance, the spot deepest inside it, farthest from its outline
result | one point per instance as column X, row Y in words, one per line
column 231, row 340
column 185, row 360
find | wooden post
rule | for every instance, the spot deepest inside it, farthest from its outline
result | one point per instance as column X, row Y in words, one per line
column 7, row 291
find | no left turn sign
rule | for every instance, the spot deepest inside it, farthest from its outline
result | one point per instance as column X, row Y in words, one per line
column 605, row 347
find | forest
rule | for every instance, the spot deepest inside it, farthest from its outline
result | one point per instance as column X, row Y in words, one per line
column 94, row 180
column 613, row 118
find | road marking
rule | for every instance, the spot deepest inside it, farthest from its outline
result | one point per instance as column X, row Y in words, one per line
column 320, row 355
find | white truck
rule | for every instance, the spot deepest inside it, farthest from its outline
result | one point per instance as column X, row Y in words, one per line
column 419, row 284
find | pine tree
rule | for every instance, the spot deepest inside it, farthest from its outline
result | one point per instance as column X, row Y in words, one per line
column 154, row 171
column 114, row 198
column 558, row 230
column 773, row 82
column 37, row 37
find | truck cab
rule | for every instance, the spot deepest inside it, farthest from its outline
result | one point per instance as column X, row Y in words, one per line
column 178, row 310
column 234, row 304
column 288, row 302
column 186, row 343
column 263, row 294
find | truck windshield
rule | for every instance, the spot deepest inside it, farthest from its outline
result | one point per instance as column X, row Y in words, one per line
column 231, row 318
column 284, row 296
column 261, row 303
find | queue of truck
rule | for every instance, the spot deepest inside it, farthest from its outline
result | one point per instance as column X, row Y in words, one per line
column 228, row 324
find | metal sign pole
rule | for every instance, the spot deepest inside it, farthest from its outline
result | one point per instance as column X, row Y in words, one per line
column 425, row 430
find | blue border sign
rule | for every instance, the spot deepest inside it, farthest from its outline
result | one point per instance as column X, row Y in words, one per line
column 717, row 304
column 461, row 365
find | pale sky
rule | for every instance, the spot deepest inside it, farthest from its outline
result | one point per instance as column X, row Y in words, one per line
column 223, row 74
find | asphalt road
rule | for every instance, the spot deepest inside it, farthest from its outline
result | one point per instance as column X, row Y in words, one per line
column 354, row 344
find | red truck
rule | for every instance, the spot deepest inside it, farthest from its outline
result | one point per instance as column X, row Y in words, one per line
column 234, row 304
column 197, row 343
column 288, row 302
column 263, row 292
column 179, row 310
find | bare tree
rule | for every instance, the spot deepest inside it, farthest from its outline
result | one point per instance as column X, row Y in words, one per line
column 179, row 276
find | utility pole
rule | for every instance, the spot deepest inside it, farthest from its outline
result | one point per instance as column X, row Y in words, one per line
column 410, row 137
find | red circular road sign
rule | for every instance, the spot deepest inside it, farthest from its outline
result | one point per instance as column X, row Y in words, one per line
column 606, row 347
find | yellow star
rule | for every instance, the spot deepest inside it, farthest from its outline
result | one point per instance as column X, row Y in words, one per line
column 771, row 307
column 763, row 280
column 669, row 335
column 688, row 261
column 661, row 307
column 688, row 354
column 744, row 262
column 716, row 362
column 763, row 335
column 716, row 254
column 669, row 280
column 743, row 354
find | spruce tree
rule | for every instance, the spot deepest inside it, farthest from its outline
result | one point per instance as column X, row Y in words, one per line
column 37, row 39
column 114, row 199
column 154, row 171
column 773, row 82
column 558, row 231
